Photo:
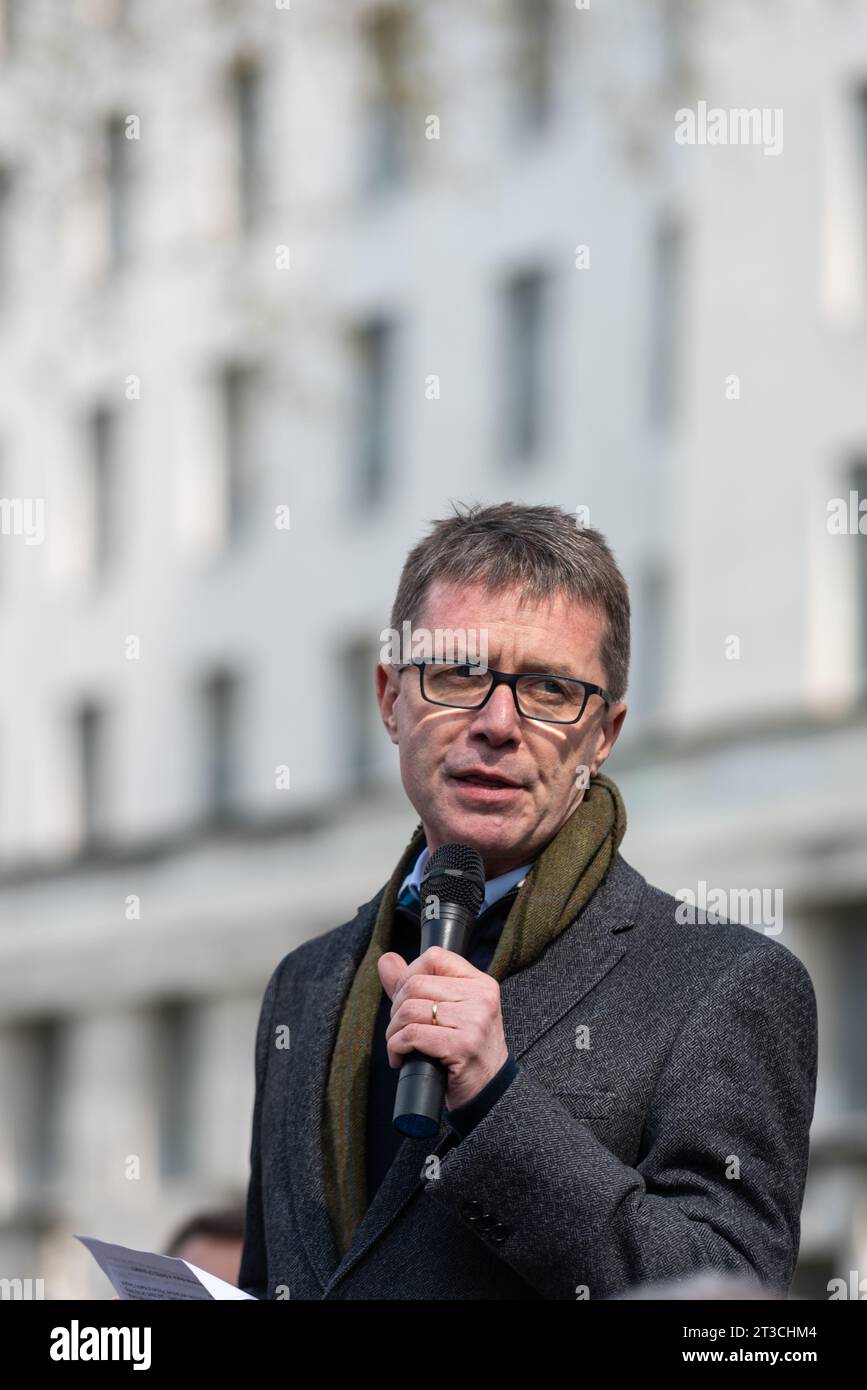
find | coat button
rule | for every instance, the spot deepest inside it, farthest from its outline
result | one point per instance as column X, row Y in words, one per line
column 498, row 1233
column 471, row 1210
column 486, row 1222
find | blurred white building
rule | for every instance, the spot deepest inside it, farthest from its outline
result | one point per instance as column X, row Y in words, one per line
column 276, row 283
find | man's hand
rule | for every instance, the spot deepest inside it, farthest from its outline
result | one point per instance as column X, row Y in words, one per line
column 468, row 1035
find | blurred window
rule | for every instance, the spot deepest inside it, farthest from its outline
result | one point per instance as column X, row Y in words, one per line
column 665, row 322
column 524, row 340
column 45, row 1093
column 386, row 38
column 176, row 1072
column 6, row 227
column 533, row 89
column 247, row 106
column 221, row 734
column 10, row 26
column 847, row 1022
column 375, row 364
column 652, row 630
column 91, row 732
column 119, row 190
column 105, row 484
column 363, row 731
column 241, row 391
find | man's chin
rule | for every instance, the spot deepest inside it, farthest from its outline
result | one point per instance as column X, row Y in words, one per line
column 486, row 830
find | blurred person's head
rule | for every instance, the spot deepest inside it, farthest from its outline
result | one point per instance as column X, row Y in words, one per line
column 549, row 598
column 213, row 1241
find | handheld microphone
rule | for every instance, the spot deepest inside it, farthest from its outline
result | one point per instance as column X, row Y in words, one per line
column 452, row 891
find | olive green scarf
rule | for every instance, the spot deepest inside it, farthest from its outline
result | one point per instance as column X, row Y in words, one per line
column 561, row 881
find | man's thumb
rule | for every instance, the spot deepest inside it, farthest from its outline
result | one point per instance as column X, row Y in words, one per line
column 391, row 967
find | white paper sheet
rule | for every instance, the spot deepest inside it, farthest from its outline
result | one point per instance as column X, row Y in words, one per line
column 146, row 1275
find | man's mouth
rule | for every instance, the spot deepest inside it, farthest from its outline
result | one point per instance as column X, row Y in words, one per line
column 486, row 779
column 475, row 780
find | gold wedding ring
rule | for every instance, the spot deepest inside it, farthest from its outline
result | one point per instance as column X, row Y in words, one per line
column 434, row 1012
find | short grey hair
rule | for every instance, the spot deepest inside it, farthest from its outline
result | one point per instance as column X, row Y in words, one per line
column 542, row 550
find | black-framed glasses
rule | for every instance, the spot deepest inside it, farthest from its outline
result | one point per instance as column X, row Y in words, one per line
column 537, row 694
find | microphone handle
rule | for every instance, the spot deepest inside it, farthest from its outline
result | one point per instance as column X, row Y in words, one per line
column 421, row 1086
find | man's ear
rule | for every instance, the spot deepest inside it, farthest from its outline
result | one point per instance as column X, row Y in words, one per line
column 387, row 691
column 610, row 728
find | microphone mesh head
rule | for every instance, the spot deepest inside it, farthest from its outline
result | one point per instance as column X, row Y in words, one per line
column 456, row 874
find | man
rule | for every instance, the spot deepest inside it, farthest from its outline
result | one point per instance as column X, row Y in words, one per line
column 212, row 1240
column 628, row 1099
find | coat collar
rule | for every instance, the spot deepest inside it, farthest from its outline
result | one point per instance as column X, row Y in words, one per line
column 532, row 1001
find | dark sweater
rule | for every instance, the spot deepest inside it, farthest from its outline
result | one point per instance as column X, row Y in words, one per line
column 383, row 1140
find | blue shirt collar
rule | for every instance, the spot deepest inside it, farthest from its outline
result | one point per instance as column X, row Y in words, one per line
column 494, row 887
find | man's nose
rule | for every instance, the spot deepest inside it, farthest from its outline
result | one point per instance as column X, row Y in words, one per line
column 499, row 718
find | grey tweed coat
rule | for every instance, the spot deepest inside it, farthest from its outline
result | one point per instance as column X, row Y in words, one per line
column 658, row 1125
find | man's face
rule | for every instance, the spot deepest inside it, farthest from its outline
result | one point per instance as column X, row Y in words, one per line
column 508, row 826
column 217, row 1256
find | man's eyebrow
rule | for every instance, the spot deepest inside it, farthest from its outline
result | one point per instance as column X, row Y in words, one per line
column 538, row 664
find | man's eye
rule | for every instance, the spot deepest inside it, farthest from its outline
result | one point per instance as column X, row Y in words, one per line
column 548, row 688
